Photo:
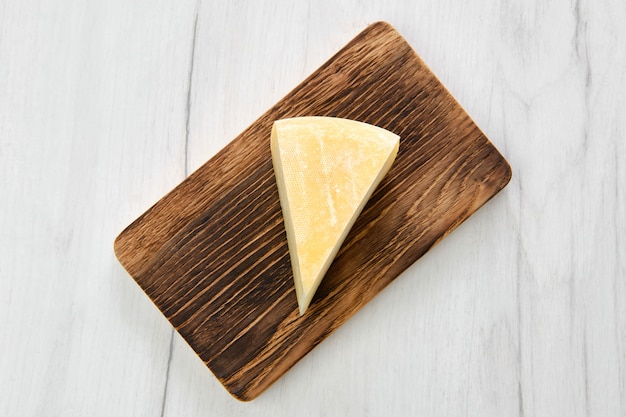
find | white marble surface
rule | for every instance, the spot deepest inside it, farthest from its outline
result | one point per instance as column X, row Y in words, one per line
column 105, row 106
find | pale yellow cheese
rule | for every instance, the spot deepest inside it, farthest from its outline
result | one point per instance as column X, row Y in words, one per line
column 326, row 170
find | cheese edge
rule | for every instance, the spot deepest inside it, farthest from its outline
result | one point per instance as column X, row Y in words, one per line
column 291, row 238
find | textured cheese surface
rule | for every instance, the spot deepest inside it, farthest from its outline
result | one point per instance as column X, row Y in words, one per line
column 326, row 170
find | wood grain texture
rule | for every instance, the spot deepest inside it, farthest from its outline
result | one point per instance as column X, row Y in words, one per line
column 212, row 254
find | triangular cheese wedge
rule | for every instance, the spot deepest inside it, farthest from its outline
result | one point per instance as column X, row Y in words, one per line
column 326, row 169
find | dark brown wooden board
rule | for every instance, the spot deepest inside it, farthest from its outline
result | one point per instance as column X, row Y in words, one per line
column 212, row 254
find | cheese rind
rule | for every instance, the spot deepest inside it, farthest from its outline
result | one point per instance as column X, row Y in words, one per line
column 326, row 170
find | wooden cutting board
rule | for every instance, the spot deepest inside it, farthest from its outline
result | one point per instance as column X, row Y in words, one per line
column 212, row 254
